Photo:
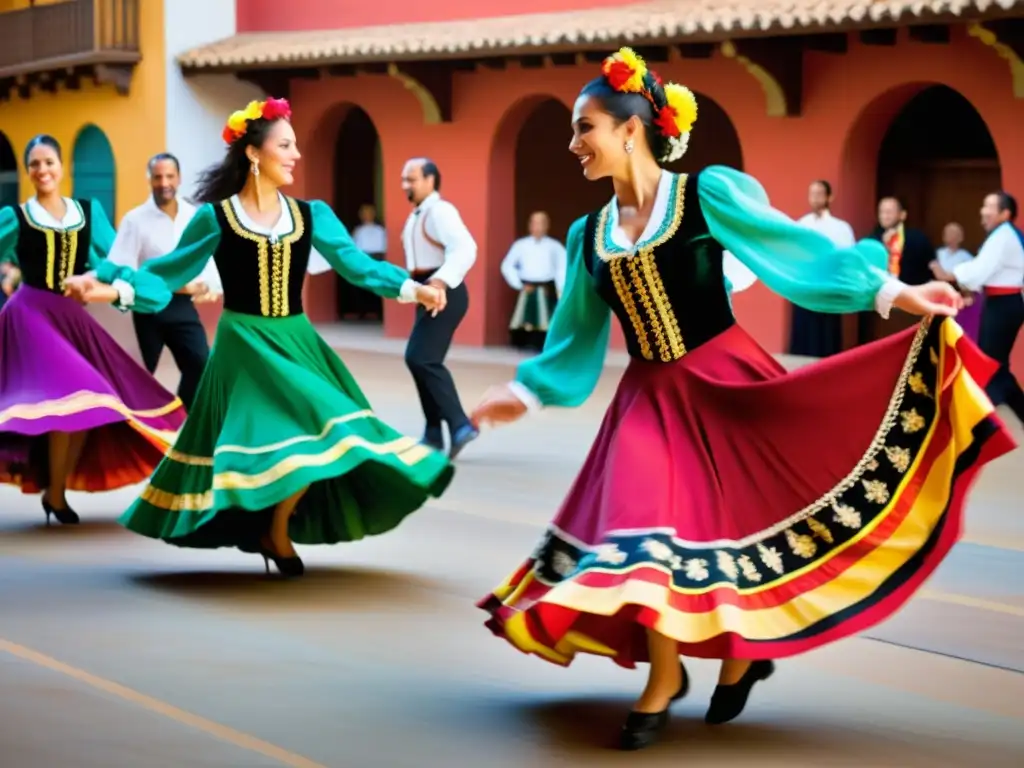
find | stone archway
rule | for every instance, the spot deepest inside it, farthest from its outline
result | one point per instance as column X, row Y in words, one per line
column 357, row 182
column 714, row 140
column 8, row 173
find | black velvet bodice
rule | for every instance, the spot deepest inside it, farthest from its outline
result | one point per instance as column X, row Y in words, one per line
column 47, row 256
column 262, row 275
column 670, row 296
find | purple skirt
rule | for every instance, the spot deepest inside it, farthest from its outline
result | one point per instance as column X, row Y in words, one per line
column 60, row 371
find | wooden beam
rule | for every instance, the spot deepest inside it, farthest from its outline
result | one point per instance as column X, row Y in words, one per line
column 838, row 43
column 563, row 59
column 878, row 36
column 118, row 75
column 531, row 62
column 655, row 53
column 596, row 57
column 778, row 67
column 696, row 50
column 497, row 63
column 273, row 82
column 341, row 70
column 431, row 83
column 934, row 34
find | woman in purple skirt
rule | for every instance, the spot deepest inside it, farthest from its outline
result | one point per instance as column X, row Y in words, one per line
column 76, row 411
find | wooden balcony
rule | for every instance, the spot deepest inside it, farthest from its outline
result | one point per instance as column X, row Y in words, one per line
column 63, row 42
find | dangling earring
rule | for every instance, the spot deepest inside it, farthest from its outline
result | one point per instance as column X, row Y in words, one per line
column 255, row 170
column 629, row 147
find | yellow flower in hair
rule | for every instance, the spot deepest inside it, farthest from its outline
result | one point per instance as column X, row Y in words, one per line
column 625, row 71
column 683, row 104
column 254, row 110
column 237, row 121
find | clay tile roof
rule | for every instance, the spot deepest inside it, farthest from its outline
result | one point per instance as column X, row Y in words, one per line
column 657, row 20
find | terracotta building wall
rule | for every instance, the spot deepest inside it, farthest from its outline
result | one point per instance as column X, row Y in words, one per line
column 849, row 102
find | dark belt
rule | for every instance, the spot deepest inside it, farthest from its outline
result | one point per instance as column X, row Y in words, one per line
column 420, row 275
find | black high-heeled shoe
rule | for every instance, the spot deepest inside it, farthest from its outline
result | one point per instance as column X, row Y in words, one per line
column 641, row 729
column 66, row 516
column 728, row 701
column 289, row 567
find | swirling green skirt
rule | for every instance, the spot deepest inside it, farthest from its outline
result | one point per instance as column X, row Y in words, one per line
column 276, row 412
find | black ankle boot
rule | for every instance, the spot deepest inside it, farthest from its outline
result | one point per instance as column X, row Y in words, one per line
column 728, row 701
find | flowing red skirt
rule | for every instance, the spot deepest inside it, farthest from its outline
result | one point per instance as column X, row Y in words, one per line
column 748, row 512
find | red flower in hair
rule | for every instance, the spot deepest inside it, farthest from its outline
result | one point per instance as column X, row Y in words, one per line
column 618, row 73
column 275, row 109
column 666, row 122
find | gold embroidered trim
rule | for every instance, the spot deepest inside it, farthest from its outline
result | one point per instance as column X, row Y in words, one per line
column 273, row 258
column 625, row 294
column 51, row 255
column 82, row 401
column 657, row 317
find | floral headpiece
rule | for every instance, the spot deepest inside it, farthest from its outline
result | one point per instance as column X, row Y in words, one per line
column 238, row 123
column 675, row 107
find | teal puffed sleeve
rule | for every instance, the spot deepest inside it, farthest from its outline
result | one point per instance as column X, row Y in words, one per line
column 333, row 242
column 102, row 233
column 567, row 370
column 798, row 263
column 9, row 230
column 158, row 279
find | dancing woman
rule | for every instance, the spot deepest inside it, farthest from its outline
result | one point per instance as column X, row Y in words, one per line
column 281, row 445
column 76, row 411
column 728, row 509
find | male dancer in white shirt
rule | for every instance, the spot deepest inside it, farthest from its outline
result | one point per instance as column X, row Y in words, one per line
column 998, row 271
column 820, row 334
column 151, row 230
column 439, row 251
column 535, row 266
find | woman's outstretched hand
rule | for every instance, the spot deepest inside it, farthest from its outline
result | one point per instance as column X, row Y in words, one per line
column 89, row 290
column 434, row 299
column 498, row 406
column 934, row 298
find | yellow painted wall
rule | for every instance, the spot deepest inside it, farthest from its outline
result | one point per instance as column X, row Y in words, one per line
column 134, row 124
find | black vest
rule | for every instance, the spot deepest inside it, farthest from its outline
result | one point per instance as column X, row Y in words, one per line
column 47, row 256
column 671, row 296
column 260, row 275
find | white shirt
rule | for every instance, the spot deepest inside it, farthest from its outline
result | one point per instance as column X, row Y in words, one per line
column 370, row 238
column 444, row 225
column 836, row 230
column 949, row 259
column 147, row 233
column 285, row 226
column 534, row 260
column 884, row 298
column 999, row 263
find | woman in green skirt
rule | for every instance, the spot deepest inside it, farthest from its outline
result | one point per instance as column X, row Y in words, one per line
column 280, row 445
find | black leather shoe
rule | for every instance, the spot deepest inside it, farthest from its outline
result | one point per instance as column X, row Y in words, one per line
column 641, row 729
column 66, row 516
column 728, row 701
column 433, row 438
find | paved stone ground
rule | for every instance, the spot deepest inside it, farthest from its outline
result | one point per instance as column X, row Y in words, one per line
column 120, row 652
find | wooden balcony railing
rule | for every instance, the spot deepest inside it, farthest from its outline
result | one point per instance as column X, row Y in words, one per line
column 63, row 36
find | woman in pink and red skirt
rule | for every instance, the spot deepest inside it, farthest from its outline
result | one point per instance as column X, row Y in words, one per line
column 729, row 509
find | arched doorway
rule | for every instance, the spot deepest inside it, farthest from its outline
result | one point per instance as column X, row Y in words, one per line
column 714, row 140
column 8, row 173
column 93, row 169
column 547, row 177
column 939, row 158
column 358, row 182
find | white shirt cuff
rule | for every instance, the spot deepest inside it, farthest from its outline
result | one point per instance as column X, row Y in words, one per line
column 886, row 296
column 959, row 272
column 407, row 293
column 526, row 397
column 125, row 293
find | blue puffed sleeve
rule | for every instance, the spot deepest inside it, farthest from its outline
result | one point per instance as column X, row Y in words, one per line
column 9, row 229
column 567, row 370
column 798, row 263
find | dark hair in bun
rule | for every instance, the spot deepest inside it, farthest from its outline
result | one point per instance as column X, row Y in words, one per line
column 45, row 140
